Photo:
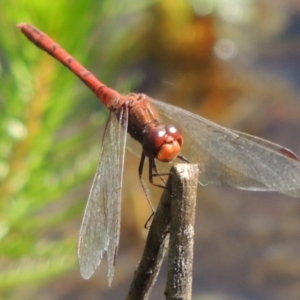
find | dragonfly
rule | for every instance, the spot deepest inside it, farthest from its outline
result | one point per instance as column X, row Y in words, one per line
column 164, row 133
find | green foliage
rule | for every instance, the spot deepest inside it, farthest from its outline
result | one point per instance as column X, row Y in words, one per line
column 50, row 127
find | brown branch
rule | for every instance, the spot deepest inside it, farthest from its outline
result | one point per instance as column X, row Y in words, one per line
column 154, row 251
column 157, row 240
column 180, row 261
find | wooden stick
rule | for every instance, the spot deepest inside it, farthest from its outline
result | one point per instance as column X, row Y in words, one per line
column 157, row 240
column 155, row 248
column 180, row 261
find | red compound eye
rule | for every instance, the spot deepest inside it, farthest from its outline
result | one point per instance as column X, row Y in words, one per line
column 174, row 132
column 153, row 140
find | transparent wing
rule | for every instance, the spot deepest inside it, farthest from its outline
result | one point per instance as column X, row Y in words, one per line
column 234, row 158
column 269, row 145
column 100, row 227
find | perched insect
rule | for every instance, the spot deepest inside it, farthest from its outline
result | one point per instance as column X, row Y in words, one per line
column 225, row 156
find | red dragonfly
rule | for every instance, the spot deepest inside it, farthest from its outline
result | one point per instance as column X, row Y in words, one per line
column 225, row 156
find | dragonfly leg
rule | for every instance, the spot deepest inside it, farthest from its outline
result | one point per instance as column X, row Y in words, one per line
column 183, row 158
column 143, row 184
column 149, row 221
column 153, row 172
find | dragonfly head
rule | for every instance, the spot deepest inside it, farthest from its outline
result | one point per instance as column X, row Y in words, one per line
column 162, row 142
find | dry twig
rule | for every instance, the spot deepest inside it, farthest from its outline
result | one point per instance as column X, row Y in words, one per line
column 180, row 188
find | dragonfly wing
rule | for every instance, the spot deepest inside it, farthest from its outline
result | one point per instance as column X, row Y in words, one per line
column 233, row 158
column 269, row 145
column 114, row 208
column 100, row 227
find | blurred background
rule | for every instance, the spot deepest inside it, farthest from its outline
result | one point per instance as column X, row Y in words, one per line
column 235, row 62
